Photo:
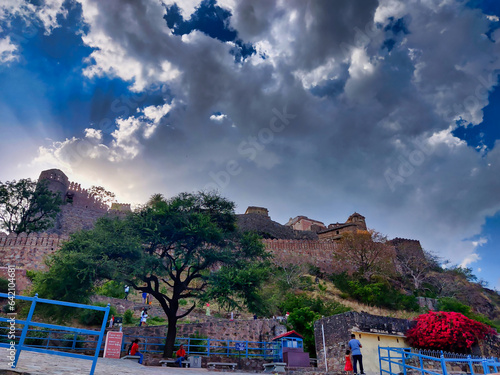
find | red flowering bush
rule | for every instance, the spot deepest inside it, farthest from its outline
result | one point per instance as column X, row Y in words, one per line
column 448, row 331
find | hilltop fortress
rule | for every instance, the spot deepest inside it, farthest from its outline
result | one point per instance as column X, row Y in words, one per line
column 301, row 238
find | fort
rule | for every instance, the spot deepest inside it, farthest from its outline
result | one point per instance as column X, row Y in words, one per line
column 301, row 238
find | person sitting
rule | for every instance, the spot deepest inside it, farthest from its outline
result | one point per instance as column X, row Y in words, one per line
column 181, row 355
column 134, row 350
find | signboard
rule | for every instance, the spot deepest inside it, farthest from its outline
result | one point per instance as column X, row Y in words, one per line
column 113, row 346
column 240, row 346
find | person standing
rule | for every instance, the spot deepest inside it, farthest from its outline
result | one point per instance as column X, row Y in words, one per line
column 181, row 355
column 348, row 362
column 134, row 350
column 355, row 347
column 144, row 318
column 144, row 297
column 127, row 290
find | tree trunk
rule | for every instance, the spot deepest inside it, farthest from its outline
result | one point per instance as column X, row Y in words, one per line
column 170, row 339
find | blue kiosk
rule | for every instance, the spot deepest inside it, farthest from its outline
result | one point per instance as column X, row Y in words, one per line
column 289, row 348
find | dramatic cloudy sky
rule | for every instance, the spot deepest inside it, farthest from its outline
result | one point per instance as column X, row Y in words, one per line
column 307, row 107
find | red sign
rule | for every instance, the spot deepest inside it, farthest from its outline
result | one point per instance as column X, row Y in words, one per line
column 113, row 346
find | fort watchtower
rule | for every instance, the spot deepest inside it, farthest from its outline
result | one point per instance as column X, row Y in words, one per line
column 56, row 180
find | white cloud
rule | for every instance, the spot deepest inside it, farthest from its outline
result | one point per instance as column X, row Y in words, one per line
column 93, row 133
column 49, row 12
column 218, row 118
column 7, row 51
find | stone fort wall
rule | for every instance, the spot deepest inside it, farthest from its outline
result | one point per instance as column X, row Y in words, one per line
column 81, row 208
column 317, row 253
column 28, row 252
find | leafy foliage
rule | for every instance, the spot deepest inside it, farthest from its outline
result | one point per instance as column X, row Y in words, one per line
column 453, row 305
column 181, row 244
column 128, row 317
column 304, row 311
column 4, row 285
column 27, row 206
column 449, row 331
column 302, row 320
column 95, row 317
column 111, row 289
column 376, row 292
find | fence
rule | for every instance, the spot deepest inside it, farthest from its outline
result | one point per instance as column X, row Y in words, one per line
column 57, row 340
column 409, row 361
column 21, row 341
column 207, row 346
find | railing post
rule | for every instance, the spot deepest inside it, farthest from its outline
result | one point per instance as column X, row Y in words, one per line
column 246, row 349
column 48, row 340
column 470, row 364
column 403, row 360
column 389, row 359
column 443, row 363
column 486, row 368
column 379, row 360
column 74, row 341
column 189, row 345
column 99, row 341
column 421, row 364
column 208, row 347
column 25, row 330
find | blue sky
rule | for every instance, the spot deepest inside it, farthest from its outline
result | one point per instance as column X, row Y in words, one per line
column 390, row 109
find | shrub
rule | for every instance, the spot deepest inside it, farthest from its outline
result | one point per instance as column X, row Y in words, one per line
column 452, row 304
column 95, row 317
column 128, row 317
column 449, row 331
column 67, row 341
column 376, row 292
column 4, row 285
column 111, row 289
column 37, row 337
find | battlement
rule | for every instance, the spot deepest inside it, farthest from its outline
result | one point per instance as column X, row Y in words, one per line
column 318, row 253
column 122, row 207
column 32, row 239
column 28, row 251
column 293, row 245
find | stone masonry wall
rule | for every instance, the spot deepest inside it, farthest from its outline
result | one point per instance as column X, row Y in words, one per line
column 219, row 329
column 28, row 251
column 318, row 253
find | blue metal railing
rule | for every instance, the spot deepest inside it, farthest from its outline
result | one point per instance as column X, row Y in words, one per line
column 206, row 346
column 50, row 339
column 21, row 345
column 409, row 361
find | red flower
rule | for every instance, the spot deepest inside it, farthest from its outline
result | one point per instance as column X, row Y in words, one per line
column 449, row 331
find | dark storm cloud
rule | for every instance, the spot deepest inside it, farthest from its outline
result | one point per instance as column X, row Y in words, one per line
column 328, row 123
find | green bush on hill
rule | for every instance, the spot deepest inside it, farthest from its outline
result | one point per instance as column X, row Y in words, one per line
column 4, row 285
column 128, row 317
column 376, row 292
column 111, row 289
column 452, row 304
column 95, row 317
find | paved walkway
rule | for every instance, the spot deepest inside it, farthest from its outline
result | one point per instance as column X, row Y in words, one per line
column 45, row 364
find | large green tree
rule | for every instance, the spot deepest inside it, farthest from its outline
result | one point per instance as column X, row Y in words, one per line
column 173, row 249
column 27, row 206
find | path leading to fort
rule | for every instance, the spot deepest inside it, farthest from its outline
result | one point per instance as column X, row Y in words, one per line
column 44, row 364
